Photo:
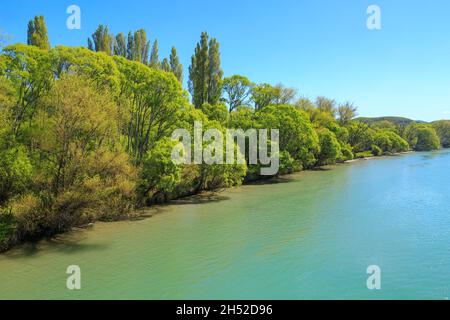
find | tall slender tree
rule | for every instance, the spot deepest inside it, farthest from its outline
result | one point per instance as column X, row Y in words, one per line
column 130, row 46
column 103, row 41
column 140, row 46
column 90, row 44
column 215, row 73
column 175, row 65
column 154, row 56
column 37, row 34
column 120, row 45
column 205, row 74
column 165, row 65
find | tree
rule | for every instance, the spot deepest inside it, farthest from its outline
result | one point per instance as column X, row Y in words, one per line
column 175, row 65
column 215, row 73
column 442, row 128
column 29, row 70
column 205, row 74
column 103, row 41
column 263, row 95
column 360, row 136
column 346, row 112
column 90, row 44
column 165, row 65
column 422, row 137
column 37, row 33
column 326, row 105
column 160, row 175
column 284, row 95
column 120, row 45
column 153, row 99
column 139, row 46
column 238, row 91
column 330, row 149
column 154, row 56
column 130, row 46
column 297, row 135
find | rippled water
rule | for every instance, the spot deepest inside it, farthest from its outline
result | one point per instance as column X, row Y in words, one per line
column 311, row 236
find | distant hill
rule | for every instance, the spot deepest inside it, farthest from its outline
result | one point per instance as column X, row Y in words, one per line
column 396, row 120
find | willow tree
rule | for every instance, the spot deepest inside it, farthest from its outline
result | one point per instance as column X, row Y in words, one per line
column 237, row 91
column 37, row 34
column 154, row 99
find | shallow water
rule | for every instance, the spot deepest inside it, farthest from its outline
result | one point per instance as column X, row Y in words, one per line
column 311, row 236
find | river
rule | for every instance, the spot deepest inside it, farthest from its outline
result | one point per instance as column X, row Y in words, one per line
column 310, row 236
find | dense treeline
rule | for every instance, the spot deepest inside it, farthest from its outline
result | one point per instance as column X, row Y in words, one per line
column 85, row 134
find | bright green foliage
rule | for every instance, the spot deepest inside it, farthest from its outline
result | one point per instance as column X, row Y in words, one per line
column 442, row 128
column 29, row 71
column 15, row 172
column 346, row 113
column 243, row 117
column 297, row 135
column 389, row 141
column 37, row 33
column 288, row 164
column 376, row 151
column 238, row 91
column 422, row 137
column 346, row 152
column 153, row 99
column 330, row 149
column 217, row 112
column 264, row 95
column 159, row 173
column 96, row 66
column 360, row 136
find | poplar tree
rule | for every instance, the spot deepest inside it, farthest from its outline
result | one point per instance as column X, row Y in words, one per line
column 37, row 34
column 102, row 40
column 120, row 45
column 140, row 46
column 198, row 72
column 130, row 46
column 154, row 56
column 215, row 73
column 205, row 73
column 175, row 65
column 165, row 65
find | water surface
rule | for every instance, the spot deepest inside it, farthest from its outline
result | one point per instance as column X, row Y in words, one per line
column 312, row 236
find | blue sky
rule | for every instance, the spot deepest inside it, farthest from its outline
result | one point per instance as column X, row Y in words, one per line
column 321, row 47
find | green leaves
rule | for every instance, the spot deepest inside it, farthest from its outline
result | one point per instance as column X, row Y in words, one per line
column 37, row 33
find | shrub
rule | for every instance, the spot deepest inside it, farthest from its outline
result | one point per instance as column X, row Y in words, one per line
column 376, row 151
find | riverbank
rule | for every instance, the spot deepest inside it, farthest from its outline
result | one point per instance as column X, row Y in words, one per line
column 201, row 197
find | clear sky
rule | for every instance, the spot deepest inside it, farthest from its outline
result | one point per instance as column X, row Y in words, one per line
column 321, row 47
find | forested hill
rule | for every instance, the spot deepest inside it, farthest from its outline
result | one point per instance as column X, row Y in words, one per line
column 394, row 120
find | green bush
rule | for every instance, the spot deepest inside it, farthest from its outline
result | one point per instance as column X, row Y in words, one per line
column 376, row 151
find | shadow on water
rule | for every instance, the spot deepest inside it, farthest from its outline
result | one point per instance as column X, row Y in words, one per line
column 199, row 199
column 274, row 180
column 69, row 243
